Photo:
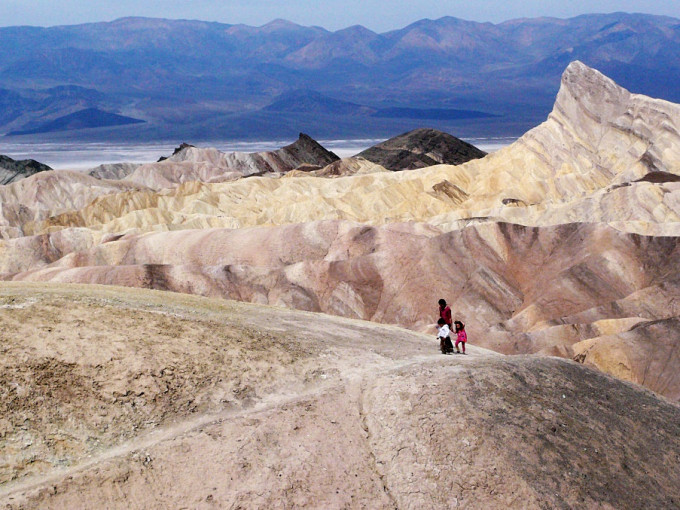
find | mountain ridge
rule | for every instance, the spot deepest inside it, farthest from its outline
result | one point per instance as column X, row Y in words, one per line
column 510, row 69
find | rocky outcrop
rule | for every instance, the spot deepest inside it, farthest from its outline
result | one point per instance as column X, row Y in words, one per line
column 190, row 163
column 421, row 148
column 114, row 171
column 598, row 138
column 12, row 170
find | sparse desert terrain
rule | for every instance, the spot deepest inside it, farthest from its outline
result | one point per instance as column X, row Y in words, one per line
column 564, row 243
column 128, row 398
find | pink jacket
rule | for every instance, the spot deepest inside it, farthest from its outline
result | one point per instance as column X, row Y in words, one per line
column 462, row 336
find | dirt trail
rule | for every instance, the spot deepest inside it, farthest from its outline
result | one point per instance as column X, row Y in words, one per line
column 352, row 377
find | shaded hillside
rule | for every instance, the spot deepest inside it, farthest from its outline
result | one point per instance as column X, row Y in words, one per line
column 83, row 119
column 199, row 80
column 123, row 398
column 421, row 148
column 12, row 170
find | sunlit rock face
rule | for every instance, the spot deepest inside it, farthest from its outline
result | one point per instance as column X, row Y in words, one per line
column 564, row 243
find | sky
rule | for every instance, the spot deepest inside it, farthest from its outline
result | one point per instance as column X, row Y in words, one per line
column 378, row 15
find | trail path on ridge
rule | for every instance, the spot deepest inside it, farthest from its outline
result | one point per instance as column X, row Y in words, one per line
column 353, row 377
column 126, row 398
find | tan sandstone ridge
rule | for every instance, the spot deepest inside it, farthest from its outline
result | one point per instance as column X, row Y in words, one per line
column 128, row 398
column 564, row 243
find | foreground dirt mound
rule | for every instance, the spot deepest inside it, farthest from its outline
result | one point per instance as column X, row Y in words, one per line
column 522, row 432
column 272, row 408
column 83, row 369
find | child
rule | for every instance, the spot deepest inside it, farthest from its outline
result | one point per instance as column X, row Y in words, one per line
column 461, row 336
column 444, row 337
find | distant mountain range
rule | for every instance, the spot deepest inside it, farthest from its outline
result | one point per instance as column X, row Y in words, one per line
column 202, row 80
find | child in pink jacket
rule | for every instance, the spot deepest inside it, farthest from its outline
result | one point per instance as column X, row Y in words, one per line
column 461, row 336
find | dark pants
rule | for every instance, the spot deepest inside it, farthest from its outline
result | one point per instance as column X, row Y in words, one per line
column 445, row 344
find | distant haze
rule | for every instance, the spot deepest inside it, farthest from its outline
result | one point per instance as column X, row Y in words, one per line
column 377, row 15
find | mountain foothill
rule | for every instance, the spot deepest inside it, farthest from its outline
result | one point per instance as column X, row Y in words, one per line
column 256, row 330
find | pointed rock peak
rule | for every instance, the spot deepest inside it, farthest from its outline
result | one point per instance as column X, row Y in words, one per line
column 306, row 138
column 588, row 89
column 310, row 151
column 182, row 147
column 579, row 73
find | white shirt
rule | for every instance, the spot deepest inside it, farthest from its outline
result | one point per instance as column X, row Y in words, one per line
column 444, row 331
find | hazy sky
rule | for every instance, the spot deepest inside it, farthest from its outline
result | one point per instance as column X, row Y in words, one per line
column 378, row 15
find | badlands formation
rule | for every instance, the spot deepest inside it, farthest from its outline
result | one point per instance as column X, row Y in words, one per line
column 564, row 243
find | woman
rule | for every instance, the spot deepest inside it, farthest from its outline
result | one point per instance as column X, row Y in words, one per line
column 445, row 313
